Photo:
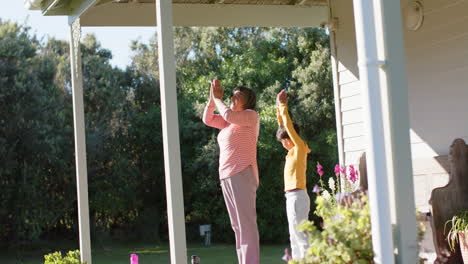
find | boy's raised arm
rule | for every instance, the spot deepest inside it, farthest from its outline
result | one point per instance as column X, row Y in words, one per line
column 281, row 97
column 288, row 124
column 285, row 119
column 278, row 116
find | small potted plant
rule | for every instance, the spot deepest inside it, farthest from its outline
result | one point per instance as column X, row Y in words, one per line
column 458, row 233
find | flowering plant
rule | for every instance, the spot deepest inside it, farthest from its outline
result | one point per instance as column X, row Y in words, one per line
column 344, row 236
column 348, row 180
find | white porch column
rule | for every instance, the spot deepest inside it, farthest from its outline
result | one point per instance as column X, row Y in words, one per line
column 394, row 88
column 80, row 142
column 338, row 114
column 370, row 68
column 336, row 93
column 170, row 128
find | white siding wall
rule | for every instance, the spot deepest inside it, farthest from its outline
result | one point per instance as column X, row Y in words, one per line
column 348, row 81
column 437, row 57
column 438, row 81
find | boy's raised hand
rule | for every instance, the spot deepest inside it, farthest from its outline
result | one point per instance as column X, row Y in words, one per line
column 281, row 98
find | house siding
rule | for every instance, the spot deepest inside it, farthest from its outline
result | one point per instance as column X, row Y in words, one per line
column 437, row 63
column 350, row 98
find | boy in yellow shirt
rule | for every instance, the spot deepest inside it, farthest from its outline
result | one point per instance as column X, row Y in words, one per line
column 297, row 199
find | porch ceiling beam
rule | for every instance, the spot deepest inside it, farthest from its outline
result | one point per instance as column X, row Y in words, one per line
column 50, row 6
column 80, row 9
column 53, row 7
column 301, row 2
column 143, row 14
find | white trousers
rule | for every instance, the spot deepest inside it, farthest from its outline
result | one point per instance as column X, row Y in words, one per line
column 297, row 209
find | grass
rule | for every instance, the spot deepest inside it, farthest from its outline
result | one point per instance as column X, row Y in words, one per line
column 148, row 254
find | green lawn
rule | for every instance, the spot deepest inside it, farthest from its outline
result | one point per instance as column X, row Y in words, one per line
column 120, row 254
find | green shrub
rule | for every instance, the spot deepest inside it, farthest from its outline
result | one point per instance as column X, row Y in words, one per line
column 72, row 257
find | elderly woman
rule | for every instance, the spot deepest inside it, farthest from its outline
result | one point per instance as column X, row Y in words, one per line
column 238, row 172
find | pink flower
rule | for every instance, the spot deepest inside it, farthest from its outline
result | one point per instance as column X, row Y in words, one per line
column 133, row 259
column 337, row 169
column 319, row 169
column 352, row 173
column 343, row 169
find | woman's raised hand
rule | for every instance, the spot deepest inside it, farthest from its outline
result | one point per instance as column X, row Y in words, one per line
column 211, row 97
column 216, row 90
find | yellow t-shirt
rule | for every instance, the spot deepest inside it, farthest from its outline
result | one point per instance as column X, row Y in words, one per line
column 296, row 159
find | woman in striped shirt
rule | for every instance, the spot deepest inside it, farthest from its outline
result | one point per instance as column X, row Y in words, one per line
column 238, row 171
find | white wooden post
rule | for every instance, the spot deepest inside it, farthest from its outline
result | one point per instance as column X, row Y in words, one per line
column 336, row 95
column 170, row 128
column 369, row 75
column 80, row 142
column 396, row 114
column 338, row 114
column 337, row 99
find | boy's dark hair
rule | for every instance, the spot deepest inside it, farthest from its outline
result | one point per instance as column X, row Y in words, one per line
column 281, row 133
column 250, row 96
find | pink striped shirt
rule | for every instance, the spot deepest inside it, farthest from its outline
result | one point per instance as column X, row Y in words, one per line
column 237, row 139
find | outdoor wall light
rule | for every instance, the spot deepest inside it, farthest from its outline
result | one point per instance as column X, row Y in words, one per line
column 414, row 15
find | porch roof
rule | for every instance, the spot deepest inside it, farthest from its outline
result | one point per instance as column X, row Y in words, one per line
column 235, row 13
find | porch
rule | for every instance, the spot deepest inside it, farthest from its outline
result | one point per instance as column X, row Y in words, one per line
column 380, row 53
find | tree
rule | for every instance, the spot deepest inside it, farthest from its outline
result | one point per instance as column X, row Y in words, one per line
column 34, row 137
column 123, row 129
column 267, row 60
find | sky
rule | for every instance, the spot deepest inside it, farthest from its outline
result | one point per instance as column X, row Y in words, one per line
column 116, row 39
